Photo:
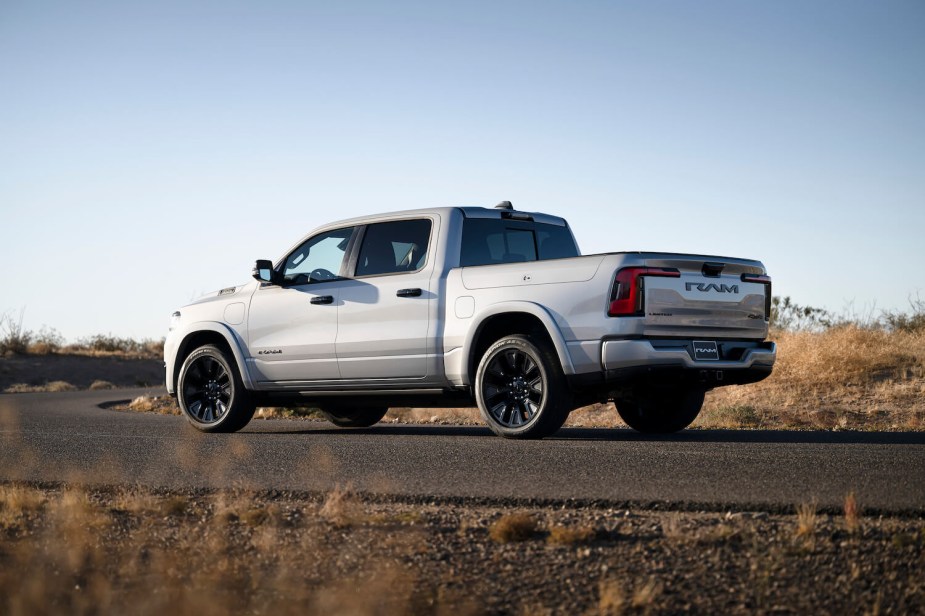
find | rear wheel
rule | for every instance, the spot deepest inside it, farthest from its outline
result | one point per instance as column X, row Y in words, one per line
column 660, row 412
column 521, row 390
column 352, row 417
column 210, row 391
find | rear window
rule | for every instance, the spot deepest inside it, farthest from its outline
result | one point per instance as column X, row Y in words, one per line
column 489, row 241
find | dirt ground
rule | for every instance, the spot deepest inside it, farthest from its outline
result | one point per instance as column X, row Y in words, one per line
column 80, row 371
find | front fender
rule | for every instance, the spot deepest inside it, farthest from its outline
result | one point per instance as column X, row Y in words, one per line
column 182, row 341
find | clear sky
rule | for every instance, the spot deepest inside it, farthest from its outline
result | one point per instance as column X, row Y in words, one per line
column 150, row 151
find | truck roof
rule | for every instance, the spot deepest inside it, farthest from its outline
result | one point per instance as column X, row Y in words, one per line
column 468, row 212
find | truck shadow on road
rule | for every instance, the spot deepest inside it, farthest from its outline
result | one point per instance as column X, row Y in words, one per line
column 626, row 435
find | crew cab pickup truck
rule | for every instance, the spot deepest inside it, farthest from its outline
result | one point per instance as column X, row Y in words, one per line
column 454, row 306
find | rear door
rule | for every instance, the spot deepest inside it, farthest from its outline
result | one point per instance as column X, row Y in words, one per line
column 385, row 317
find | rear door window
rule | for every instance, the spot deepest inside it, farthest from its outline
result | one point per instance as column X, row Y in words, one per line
column 394, row 247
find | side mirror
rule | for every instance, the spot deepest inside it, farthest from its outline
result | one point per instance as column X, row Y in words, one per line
column 263, row 271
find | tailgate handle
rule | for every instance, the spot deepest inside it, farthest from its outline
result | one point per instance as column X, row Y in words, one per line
column 323, row 299
column 712, row 270
column 409, row 293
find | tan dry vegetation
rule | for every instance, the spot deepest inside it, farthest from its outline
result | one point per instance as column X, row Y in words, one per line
column 843, row 378
column 52, row 387
column 513, row 527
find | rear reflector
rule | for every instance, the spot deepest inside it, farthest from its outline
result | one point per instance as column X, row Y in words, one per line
column 627, row 297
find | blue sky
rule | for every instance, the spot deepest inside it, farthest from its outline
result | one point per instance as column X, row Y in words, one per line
column 150, row 151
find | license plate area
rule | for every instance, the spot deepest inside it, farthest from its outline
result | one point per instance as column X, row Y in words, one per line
column 705, row 350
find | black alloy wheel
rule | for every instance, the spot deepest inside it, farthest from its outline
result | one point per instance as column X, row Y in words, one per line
column 210, row 392
column 520, row 388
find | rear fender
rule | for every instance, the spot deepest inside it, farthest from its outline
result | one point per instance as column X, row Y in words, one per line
column 552, row 329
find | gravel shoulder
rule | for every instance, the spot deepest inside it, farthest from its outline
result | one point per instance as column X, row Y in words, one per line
column 65, row 548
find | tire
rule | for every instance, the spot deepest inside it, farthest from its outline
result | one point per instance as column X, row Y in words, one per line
column 210, row 391
column 347, row 417
column 521, row 390
column 661, row 412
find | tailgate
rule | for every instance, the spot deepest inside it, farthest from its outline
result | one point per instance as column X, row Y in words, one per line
column 713, row 296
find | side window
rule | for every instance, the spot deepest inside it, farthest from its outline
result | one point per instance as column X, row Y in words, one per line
column 555, row 242
column 319, row 258
column 488, row 241
column 394, row 247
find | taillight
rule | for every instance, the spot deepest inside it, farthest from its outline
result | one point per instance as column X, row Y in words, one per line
column 766, row 281
column 628, row 294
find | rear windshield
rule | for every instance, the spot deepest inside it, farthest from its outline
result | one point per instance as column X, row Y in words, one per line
column 489, row 241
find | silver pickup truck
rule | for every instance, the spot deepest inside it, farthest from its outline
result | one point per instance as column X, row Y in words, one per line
column 449, row 306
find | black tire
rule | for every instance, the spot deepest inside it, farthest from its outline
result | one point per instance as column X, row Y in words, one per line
column 210, row 391
column 521, row 390
column 661, row 412
column 354, row 417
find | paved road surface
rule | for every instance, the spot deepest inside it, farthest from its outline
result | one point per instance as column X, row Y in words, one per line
column 55, row 437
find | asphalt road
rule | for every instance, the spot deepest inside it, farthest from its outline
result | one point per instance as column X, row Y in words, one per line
column 67, row 437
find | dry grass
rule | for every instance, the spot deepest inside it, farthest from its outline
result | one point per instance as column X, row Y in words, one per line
column 342, row 508
column 571, row 535
column 164, row 405
column 100, row 384
column 54, row 386
column 513, row 527
column 806, row 522
column 852, row 513
column 843, row 378
column 611, row 598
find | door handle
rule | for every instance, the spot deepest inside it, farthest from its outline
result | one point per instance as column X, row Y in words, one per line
column 323, row 299
column 409, row 293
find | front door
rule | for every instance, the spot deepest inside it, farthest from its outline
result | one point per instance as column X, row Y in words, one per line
column 292, row 327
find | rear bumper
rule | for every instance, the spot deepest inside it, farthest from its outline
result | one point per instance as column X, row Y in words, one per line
column 660, row 363
column 735, row 355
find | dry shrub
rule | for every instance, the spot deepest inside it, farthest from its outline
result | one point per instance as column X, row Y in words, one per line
column 165, row 405
column 342, row 508
column 100, row 384
column 671, row 527
column 852, row 513
column 513, row 527
column 54, row 386
column 570, row 535
column 612, row 598
column 645, row 596
column 16, row 502
column 806, row 521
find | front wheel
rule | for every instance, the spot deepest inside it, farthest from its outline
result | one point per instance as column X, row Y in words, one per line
column 347, row 417
column 210, row 391
column 660, row 412
column 521, row 390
